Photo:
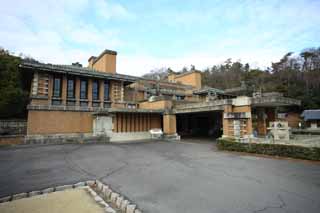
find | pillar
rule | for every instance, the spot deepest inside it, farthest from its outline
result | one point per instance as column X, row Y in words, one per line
column 225, row 121
column 89, row 92
column 77, row 91
column 101, row 93
column 64, row 90
column 169, row 124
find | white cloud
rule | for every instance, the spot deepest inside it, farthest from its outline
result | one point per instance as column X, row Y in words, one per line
column 54, row 31
column 108, row 10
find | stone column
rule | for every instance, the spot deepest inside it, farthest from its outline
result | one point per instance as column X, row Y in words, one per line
column 89, row 92
column 122, row 91
column 77, row 91
column 101, row 93
column 64, row 90
column 50, row 89
column 225, row 122
column 169, row 124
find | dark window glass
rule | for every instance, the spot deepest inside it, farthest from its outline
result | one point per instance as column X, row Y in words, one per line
column 95, row 90
column 71, row 88
column 57, row 87
column 106, row 91
column 180, row 97
column 83, row 89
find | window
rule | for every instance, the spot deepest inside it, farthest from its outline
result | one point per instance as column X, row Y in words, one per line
column 57, row 87
column 95, row 90
column 71, row 88
column 106, row 91
column 179, row 97
column 83, row 89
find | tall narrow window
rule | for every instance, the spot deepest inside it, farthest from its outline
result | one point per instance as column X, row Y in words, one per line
column 83, row 89
column 106, row 91
column 57, row 87
column 95, row 90
column 71, row 88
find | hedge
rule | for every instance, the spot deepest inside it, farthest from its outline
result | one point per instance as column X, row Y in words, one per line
column 308, row 153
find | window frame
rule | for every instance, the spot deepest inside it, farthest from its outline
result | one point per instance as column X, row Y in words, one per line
column 86, row 88
column 106, row 96
column 73, row 89
column 54, row 89
column 95, row 91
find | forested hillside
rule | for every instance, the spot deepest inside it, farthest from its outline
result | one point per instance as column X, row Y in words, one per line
column 294, row 75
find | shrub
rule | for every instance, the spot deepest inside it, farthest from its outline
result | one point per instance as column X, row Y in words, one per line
column 308, row 153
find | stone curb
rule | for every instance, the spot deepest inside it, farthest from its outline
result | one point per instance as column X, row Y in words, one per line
column 116, row 199
column 100, row 192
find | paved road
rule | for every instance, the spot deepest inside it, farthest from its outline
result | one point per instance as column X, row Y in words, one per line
column 169, row 177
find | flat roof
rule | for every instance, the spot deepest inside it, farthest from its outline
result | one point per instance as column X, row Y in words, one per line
column 75, row 70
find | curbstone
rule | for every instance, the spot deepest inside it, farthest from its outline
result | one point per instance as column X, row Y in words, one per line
column 92, row 192
column 131, row 208
column 119, row 201
column 109, row 210
column 108, row 193
column 99, row 185
column 97, row 198
column 64, row 187
column 34, row 193
column 124, row 205
column 80, row 184
column 114, row 196
column 104, row 204
column 5, row 199
column 19, row 196
column 104, row 190
column 48, row 190
column 90, row 182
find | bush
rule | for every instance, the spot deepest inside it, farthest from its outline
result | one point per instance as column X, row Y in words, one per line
column 308, row 153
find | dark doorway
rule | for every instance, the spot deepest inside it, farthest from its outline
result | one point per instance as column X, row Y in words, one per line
column 201, row 125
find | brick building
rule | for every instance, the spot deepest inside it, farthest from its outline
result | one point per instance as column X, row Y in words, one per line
column 96, row 100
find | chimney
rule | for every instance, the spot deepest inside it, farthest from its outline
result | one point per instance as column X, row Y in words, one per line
column 105, row 62
column 91, row 61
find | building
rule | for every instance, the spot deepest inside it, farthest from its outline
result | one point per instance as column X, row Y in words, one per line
column 96, row 100
column 311, row 118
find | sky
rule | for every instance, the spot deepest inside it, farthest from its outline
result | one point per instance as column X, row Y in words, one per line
column 165, row 33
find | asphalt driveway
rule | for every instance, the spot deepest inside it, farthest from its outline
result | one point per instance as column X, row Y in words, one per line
column 169, row 177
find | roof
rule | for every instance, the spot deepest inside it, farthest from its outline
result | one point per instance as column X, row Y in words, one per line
column 75, row 70
column 313, row 114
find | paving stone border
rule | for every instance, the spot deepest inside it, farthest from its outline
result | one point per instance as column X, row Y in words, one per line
column 117, row 201
column 111, row 201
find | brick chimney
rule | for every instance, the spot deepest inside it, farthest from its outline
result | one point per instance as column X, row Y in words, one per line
column 105, row 62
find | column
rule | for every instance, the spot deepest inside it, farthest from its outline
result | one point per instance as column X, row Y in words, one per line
column 77, row 91
column 169, row 124
column 89, row 92
column 64, row 90
column 101, row 93
column 122, row 92
column 225, row 121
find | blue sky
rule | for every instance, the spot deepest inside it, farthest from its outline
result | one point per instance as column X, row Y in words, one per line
column 154, row 34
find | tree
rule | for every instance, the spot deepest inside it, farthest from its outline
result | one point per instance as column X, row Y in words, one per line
column 13, row 97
